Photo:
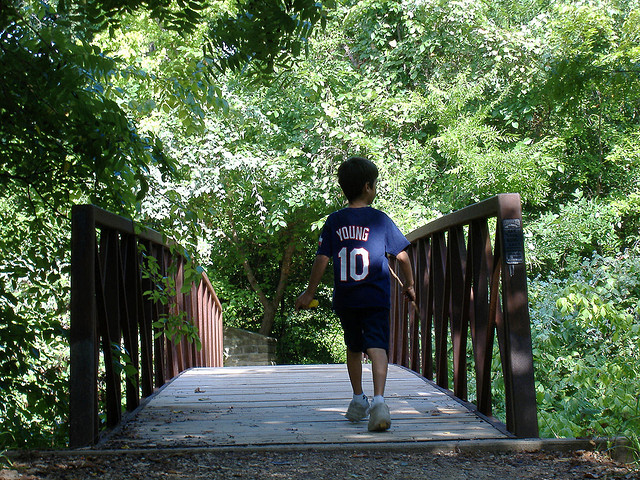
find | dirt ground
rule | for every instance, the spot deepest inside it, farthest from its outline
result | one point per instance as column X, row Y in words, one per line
column 317, row 464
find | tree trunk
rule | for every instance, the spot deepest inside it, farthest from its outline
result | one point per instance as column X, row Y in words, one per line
column 285, row 269
column 268, row 317
column 270, row 306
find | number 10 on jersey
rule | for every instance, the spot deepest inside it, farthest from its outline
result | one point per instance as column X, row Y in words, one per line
column 349, row 262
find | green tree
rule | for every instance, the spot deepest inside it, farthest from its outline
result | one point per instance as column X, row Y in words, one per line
column 252, row 196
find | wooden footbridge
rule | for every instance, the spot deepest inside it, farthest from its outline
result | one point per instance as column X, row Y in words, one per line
column 135, row 301
column 290, row 405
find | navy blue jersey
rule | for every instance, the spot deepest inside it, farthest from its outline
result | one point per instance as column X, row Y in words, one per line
column 358, row 239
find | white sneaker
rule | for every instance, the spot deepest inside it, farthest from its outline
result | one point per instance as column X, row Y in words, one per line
column 357, row 411
column 379, row 418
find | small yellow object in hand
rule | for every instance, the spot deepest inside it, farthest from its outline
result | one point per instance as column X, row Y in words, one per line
column 313, row 303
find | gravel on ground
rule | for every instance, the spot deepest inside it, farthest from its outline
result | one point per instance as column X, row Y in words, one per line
column 316, row 464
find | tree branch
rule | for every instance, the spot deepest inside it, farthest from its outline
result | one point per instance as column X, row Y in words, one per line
column 285, row 271
column 354, row 61
column 253, row 281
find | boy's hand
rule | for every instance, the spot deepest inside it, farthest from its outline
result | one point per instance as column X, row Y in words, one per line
column 410, row 293
column 303, row 300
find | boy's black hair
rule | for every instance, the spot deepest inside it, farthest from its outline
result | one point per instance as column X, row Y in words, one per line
column 354, row 173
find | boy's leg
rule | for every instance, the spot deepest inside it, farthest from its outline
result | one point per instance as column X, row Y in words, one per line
column 379, row 366
column 359, row 406
column 354, row 367
column 379, row 416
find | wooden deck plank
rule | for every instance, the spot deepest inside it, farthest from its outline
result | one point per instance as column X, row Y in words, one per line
column 289, row 405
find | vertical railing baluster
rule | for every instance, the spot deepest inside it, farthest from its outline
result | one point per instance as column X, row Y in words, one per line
column 427, row 309
column 111, row 327
column 482, row 323
column 456, row 259
column 467, row 300
column 414, row 321
column 129, row 311
column 438, row 280
column 404, row 323
column 196, row 320
column 159, row 345
column 146, row 316
column 394, row 319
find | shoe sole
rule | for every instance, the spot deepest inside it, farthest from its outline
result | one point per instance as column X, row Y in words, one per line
column 356, row 419
column 380, row 427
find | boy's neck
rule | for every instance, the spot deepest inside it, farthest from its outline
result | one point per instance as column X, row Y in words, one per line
column 358, row 203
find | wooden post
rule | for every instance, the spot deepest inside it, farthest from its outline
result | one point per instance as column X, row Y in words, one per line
column 83, row 377
column 522, row 413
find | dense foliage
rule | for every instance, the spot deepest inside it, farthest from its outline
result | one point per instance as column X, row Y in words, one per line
column 222, row 123
column 73, row 130
column 586, row 347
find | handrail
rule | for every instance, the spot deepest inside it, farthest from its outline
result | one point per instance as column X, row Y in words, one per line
column 111, row 313
column 467, row 287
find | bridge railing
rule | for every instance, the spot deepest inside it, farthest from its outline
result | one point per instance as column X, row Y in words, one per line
column 470, row 279
column 112, row 312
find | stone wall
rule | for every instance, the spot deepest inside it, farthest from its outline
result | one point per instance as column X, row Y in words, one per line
column 247, row 348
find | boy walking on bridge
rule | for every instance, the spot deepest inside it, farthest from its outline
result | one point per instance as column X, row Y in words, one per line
column 358, row 239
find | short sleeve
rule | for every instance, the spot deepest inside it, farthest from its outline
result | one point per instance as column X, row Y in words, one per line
column 324, row 242
column 396, row 241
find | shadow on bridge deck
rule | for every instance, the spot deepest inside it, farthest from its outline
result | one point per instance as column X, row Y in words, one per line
column 291, row 405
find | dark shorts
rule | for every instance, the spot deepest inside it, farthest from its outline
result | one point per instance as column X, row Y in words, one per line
column 365, row 328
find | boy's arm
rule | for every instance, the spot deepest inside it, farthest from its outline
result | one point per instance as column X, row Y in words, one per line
column 319, row 266
column 407, row 274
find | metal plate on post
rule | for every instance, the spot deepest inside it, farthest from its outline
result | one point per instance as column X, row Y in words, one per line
column 513, row 241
